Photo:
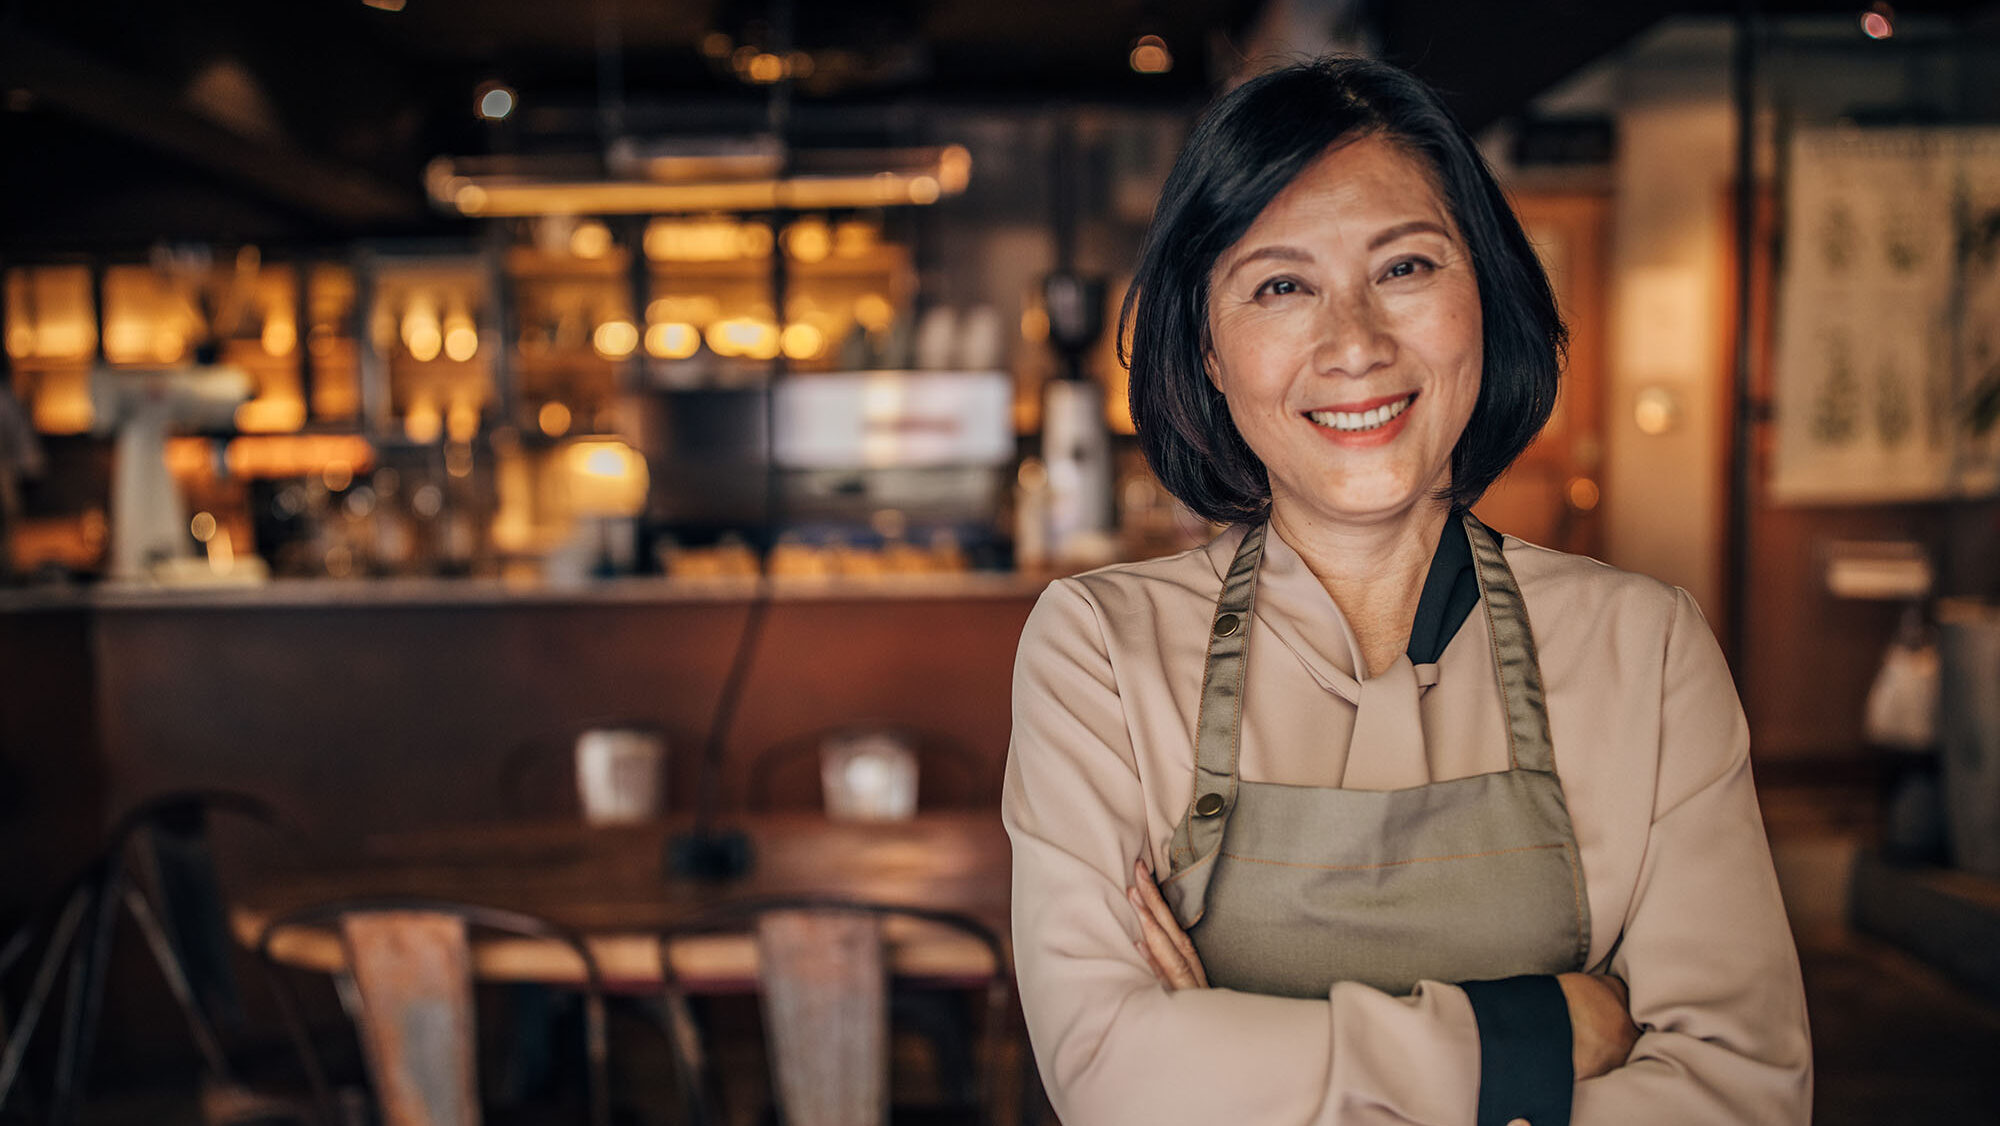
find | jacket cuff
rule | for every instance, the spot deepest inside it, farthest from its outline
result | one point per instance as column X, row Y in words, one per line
column 1524, row 1050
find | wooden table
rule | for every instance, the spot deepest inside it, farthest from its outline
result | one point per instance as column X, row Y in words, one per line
column 612, row 885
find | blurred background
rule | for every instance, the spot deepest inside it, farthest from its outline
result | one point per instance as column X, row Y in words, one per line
column 660, row 418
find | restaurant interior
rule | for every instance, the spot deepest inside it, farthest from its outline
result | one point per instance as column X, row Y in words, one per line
column 511, row 509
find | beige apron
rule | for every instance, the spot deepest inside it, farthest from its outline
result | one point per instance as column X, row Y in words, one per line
column 1288, row 889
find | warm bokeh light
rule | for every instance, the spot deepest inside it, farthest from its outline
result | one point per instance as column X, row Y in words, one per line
column 606, row 478
column 765, row 68
column 1150, row 55
column 1878, row 22
column 809, row 240
column 744, row 336
column 925, row 189
column 955, row 168
column 461, row 337
column 1584, row 494
column 422, row 423
column 615, row 339
column 461, row 422
column 421, row 332
column 591, row 240
column 873, row 311
column 803, row 341
column 280, row 336
column 672, row 340
column 202, row 526
column 553, row 418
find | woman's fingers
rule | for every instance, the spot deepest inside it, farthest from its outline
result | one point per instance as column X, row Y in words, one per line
column 1149, row 894
column 1166, row 960
column 1168, row 950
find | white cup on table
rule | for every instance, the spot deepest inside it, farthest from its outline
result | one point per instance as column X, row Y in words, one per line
column 620, row 774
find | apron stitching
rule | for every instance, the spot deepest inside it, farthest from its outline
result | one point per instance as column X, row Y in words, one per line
column 1576, row 896
column 1400, row 863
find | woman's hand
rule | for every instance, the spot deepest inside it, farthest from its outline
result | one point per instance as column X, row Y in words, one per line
column 1600, row 1020
column 1162, row 943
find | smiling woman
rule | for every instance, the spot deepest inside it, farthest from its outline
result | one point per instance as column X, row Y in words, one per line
column 1290, row 840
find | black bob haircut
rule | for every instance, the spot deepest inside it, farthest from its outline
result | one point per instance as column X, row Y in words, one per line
column 1246, row 148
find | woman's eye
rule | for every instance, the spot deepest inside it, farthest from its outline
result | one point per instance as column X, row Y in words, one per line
column 1408, row 267
column 1278, row 287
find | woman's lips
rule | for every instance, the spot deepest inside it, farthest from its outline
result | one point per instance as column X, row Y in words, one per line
column 1369, row 422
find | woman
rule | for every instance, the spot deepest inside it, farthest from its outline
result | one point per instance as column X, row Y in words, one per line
column 1409, row 847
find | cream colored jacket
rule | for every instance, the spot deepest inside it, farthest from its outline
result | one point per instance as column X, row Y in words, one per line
column 1653, row 753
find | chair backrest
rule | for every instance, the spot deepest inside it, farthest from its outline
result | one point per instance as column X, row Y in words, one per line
column 410, row 971
column 826, row 1015
column 823, row 969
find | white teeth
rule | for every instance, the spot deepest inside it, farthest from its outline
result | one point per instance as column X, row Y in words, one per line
column 1363, row 420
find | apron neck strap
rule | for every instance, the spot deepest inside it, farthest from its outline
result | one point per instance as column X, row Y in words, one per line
column 1520, row 672
column 1216, row 737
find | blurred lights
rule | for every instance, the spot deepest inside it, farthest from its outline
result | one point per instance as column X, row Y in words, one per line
column 802, row 341
column 744, row 336
column 1879, row 21
column 422, row 424
column 280, row 336
column 495, row 101
column 672, row 340
column 421, row 333
column 1584, row 494
column 553, row 418
column 591, row 239
column 385, row 5
column 1150, row 55
column 461, row 423
column 615, row 339
column 461, row 338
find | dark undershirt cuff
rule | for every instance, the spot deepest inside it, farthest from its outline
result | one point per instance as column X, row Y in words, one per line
column 1524, row 1050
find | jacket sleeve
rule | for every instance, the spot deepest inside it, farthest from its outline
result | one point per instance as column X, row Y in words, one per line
column 1112, row 1044
column 1706, row 948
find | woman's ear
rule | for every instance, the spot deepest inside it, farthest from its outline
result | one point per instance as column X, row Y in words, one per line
column 1211, row 369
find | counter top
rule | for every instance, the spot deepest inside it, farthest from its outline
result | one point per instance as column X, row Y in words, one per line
column 333, row 594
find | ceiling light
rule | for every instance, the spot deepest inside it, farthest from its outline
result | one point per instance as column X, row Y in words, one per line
column 820, row 180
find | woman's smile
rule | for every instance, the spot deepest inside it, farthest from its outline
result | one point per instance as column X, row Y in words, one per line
column 1370, row 423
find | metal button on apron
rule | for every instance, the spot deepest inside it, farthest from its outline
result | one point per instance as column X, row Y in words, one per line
column 1226, row 625
column 1208, row 805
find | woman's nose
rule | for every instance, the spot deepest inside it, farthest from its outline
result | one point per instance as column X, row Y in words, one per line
column 1353, row 339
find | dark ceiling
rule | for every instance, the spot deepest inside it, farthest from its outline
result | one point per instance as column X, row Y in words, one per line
column 333, row 106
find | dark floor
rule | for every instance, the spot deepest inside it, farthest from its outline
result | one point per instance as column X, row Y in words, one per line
column 1896, row 1043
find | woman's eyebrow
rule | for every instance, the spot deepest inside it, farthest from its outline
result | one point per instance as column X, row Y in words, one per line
column 1272, row 253
column 1414, row 226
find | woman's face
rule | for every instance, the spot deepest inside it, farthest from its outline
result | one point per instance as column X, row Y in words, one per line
column 1344, row 332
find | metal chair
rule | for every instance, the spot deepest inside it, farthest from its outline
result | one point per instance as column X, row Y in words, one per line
column 407, row 986
column 177, row 907
column 825, row 986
